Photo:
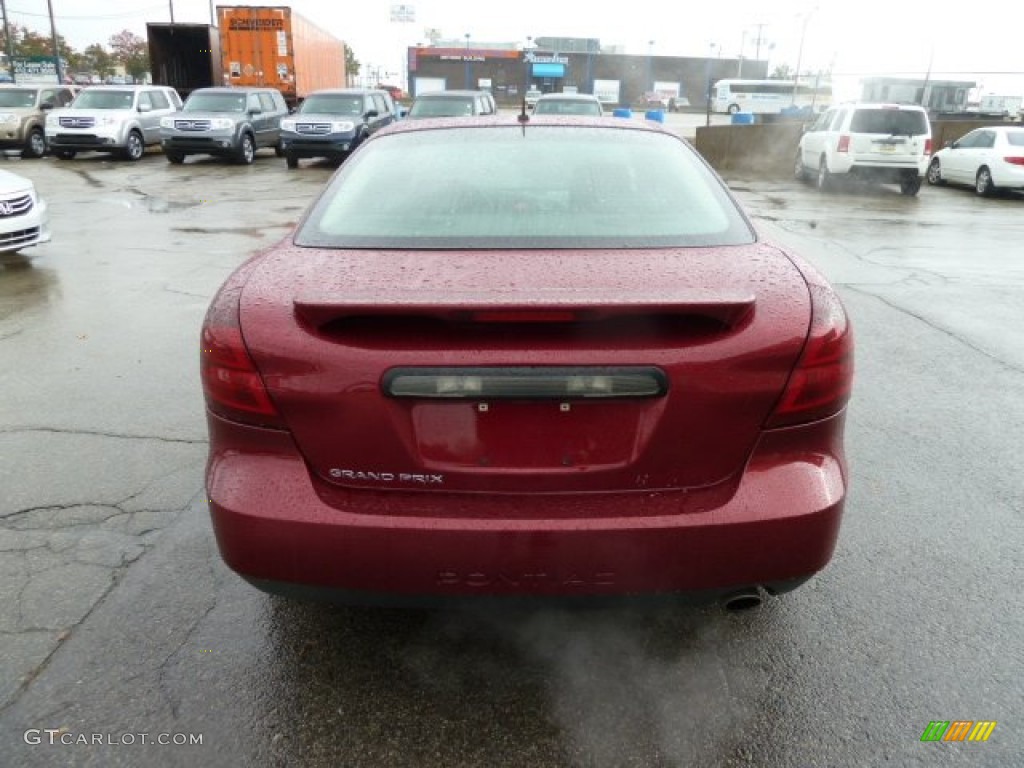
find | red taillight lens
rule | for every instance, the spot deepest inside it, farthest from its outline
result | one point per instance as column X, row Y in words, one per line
column 844, row 144
column 821, row 383
column 927, row 147
column 1014, row 160
column 231, row 383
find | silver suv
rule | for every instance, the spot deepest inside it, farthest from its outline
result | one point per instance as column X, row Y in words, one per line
column 23, row 111
column 888, row 143
column 225, row 122
column 122, row 119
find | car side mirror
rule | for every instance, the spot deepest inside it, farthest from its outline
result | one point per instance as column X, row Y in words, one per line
column 952, row 144
column 145, row 108
column 46, row 105
column 371, row 113
column 255, row 111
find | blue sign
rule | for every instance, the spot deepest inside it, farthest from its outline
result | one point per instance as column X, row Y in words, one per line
column 549, row 70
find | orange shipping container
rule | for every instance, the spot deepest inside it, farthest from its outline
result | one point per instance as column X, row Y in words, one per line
column 274, row 46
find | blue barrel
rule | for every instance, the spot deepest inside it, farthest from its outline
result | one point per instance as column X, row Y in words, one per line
column 622, row 112
column 743, row 118
column 657, row 115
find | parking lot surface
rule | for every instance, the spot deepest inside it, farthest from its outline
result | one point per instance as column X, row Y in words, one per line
column 119, row 620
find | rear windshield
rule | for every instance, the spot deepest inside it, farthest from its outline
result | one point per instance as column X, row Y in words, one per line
column 898, row 122
column 451, row 106
column 525, row 187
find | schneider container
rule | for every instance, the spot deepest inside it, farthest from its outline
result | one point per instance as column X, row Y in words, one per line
column 274, row 46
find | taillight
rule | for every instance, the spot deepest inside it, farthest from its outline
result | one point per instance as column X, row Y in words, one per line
column 844, row 144
column 232, row 385
column 820, row 384
column 1014, row 160
column 927, row 147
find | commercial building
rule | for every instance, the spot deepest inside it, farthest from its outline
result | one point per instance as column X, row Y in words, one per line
column 574, row 66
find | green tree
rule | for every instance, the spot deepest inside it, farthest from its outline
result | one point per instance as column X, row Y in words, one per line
column 351, row 64
column 131, row 51
column 782, row 72
column 96, row 58
column 28, row 42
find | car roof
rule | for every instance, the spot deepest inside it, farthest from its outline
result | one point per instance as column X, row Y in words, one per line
column 439, row 94
column 508, row 120
column 345, row 91
column 236, row 89
column 126, row 87
column 568, row 97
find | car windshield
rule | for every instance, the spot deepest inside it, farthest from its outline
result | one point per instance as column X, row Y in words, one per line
column 525, row 187
column 567, row 107
column 448, row 106
column 91, row 98
column 890, row 122
column 333, row 104
column 17, row 97
column 215, row 102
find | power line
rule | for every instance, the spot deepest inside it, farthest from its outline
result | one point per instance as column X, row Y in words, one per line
column 91, row 17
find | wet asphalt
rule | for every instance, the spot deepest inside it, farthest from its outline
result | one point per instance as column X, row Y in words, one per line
column 119, row 622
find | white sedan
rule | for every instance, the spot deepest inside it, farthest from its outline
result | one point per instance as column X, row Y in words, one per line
column 24, row 220
column 988, row 159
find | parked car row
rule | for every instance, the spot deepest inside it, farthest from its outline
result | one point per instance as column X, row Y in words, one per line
column 892, row 143
column 227, row 122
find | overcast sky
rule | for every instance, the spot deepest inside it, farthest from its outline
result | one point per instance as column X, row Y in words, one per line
column 853, row 38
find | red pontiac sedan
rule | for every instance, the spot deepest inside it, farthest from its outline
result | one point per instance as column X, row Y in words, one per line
column 526, row 357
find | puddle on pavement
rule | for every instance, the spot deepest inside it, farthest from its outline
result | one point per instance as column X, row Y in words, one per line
column 23, row 286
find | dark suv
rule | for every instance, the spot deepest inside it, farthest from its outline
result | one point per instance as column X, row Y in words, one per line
column 332, row 123
column 225, row 122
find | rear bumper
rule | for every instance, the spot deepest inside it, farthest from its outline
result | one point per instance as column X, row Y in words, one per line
column 878, row 169
column 779, row 525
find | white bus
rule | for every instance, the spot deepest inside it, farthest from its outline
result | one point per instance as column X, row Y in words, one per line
column 767, row 96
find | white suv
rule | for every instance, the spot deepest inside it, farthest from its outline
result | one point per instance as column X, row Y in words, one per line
column 123, row 119
column 888, row 143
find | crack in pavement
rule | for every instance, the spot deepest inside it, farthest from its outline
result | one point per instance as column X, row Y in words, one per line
column 935, row 326
column 62, row 636
column 188, row 465
column 116, row 572
column 63, row 507
column 95, row 433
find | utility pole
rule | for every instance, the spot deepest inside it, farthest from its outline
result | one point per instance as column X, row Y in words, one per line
column 7, row 40
column 56, row 49
column 757, row 52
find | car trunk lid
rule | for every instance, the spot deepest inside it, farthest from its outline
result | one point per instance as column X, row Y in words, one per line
column 562, row 371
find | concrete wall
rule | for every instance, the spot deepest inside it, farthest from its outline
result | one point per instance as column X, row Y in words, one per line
column 770, row 149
